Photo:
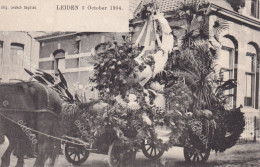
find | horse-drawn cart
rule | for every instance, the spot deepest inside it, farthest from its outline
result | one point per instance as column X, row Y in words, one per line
column 197, row 150
column 107, row 143
column 79, row 153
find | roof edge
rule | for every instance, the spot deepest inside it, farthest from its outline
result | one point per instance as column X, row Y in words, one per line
column 215, row 8
column 55, row 35
column 237, row 16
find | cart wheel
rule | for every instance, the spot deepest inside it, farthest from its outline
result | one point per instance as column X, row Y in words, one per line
column 196, row 155
column 150, row 151
column 76, row 154
column 118, row 156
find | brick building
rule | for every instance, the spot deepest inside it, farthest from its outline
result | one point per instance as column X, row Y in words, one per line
column 70, row 52
column 18, row 50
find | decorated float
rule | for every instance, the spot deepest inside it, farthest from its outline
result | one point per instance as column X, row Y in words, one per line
column 153, row 97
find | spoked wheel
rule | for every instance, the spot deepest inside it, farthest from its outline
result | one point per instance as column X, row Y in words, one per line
column 151, row 151
column 119, row 156
column 195, row 155
column 76, row 154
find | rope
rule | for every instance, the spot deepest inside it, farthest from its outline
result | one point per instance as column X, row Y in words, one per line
column 23, row 110
column 49, row 136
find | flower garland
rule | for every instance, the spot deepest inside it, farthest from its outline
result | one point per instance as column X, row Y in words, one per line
column 114, row 69
column 114, row 75
column 178, row 97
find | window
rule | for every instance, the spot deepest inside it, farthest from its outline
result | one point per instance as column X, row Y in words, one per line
column 61, row 64
column 77, row 46
column 226, row 60
column 1, row 51
column 225, row 67
column 250, row 66
column 255, row 8
column 227, row 71
column 59, row 56
column 17, row 54
column 1, row 58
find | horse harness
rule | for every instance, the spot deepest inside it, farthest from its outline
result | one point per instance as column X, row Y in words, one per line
column 48, row 108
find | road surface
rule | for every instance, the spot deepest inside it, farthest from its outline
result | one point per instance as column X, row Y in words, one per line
column 244, row 155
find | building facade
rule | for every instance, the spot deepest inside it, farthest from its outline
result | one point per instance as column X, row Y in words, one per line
column 240, row 51
column 18, row 50
column 71, row 53
column 239, row 55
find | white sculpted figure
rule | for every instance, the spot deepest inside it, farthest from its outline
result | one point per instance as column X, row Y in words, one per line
column 160, row 56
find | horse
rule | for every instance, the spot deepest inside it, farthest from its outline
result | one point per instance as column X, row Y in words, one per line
column 29, row 106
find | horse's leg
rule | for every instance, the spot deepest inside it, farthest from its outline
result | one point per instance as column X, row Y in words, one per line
column 21, row 151
column 53, row 152
column 20, row 161
column 6, row 156
column 44, row 125
column 54, row 145
column 2, row 137
column 56, row 148
column 42, row 151
column 20, row 156
column 22, row 142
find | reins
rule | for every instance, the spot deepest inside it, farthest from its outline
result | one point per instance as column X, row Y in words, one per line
column 81, row 143
column 23, row 110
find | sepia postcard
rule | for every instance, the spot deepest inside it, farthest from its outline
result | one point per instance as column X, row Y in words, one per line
column 130, row 83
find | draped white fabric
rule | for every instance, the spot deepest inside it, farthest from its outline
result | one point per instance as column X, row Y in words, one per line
column 164, row 46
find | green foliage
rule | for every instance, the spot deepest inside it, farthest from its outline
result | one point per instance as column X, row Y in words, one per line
column 114, row 68
column 178, row 98
column 196, row 62
column 197, row 55
column 230, row 124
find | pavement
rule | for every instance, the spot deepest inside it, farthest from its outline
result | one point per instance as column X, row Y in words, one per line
column 241, row 155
